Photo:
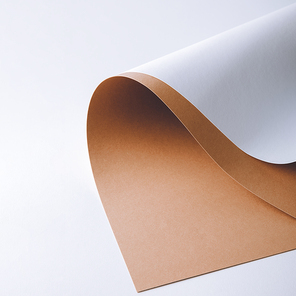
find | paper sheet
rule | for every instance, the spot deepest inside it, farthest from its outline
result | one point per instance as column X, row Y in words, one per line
column 194, row 154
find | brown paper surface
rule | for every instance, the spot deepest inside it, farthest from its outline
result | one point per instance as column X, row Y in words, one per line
column 182, row 199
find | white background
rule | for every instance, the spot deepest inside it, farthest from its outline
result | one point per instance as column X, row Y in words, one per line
column 55, row 238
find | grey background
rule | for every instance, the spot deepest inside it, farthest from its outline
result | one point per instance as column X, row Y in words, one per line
column 55, row 238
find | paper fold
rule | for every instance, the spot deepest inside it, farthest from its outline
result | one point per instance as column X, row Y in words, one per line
column 274, row 183
column 177, row 149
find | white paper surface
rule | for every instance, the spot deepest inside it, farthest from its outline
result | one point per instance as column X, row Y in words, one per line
column 244, row 81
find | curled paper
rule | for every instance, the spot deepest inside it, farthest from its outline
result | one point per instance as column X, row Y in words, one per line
column 194, row 154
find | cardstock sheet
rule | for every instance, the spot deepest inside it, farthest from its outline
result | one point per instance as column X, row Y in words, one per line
column 243, row 81
column 183, row 195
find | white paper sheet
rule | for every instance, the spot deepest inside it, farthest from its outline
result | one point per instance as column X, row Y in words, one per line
column 243, row 81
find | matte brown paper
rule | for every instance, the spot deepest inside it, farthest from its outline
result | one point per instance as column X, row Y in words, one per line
column 181, row 197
